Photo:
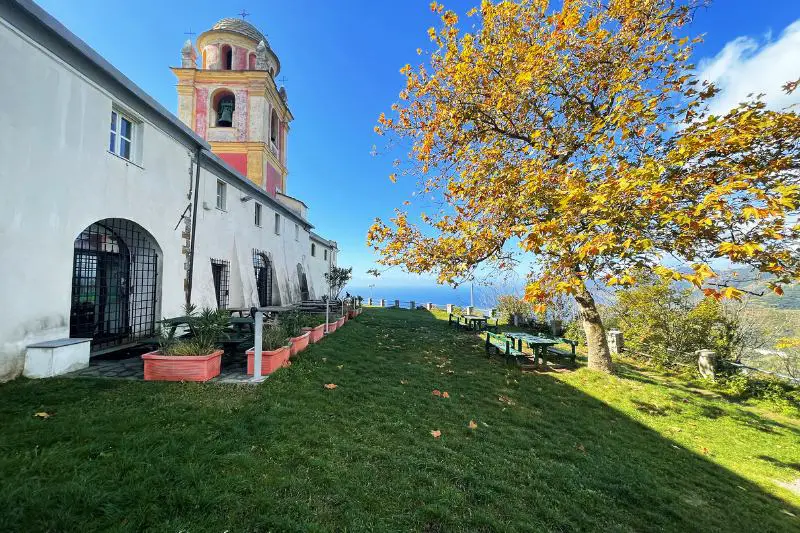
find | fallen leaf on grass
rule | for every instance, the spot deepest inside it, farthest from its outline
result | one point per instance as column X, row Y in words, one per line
column 42, row 415
column 445, row 394
column 436, row 392
column 472, row 425
column 340, row 367
column 403, row 382
column 330, row 385
column 580, row 448
column 705, row 450
column 436, row 433
column 506, row 400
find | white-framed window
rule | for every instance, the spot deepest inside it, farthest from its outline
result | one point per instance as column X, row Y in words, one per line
column 277, row 224
column 257, row 215
column 122, row 135
column 313, row 250
column 325, row 254
column 222, row 195
column 297, row 232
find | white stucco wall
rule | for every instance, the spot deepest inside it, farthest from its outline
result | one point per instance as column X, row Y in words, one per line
column 58, row 178
column 231, row 235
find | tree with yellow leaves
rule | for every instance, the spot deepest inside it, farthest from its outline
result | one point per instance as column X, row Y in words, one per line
column 578, row 134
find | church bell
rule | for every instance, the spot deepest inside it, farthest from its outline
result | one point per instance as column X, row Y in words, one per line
column 225, row 114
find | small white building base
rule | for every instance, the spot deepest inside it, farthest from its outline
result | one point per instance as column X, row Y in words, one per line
column 53, row 358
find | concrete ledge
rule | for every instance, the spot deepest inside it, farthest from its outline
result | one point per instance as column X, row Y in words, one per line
column 56, row 357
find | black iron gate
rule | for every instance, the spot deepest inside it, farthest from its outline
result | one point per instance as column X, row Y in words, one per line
column 303, row 281
column 220, row 271
column 263, row 270
column 113, row 284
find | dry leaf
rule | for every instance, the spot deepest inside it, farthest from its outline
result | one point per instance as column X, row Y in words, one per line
column 340, row 367
column 436, row 392
column 403, row 382
column 42, row 415
column 580, row 448
column 330, row 385
column 436, row 433
column 506, row 400
column 445, row 394
column 472, row 425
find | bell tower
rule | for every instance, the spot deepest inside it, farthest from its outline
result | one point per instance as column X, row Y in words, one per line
column 231, row 100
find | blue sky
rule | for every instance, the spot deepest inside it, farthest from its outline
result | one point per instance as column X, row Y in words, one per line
column 341, row 61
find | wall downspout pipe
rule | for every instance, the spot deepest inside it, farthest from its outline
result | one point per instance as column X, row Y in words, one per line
column 192, row 237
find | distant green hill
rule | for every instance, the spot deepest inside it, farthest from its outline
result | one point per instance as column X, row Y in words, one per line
column 789, row 300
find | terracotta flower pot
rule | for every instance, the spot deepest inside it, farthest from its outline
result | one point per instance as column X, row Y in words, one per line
column 340, row 322
column 159, row 367
column 316, row 333
column 332, row 326
column 299, row 343
column 352, row 313
column 271, row 360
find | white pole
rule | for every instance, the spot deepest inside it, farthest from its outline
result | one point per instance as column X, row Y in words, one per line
column 471, row 296
column 258, row 324
column 328, row 301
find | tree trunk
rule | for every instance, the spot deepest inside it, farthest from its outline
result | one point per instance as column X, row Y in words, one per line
column 599, row 354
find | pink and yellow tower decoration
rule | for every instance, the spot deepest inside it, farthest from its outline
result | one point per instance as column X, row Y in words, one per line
column 229, row 97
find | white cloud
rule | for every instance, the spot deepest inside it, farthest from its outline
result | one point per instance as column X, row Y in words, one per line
column 746, row 66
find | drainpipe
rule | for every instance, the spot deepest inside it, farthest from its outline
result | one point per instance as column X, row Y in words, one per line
column 190, row 273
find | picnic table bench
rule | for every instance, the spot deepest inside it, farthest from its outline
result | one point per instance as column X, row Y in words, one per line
column 239, row 332
column 472, row 322
column 500, row 344
column 542, row 345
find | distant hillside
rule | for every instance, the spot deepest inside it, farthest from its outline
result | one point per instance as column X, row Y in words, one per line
column 789, row 300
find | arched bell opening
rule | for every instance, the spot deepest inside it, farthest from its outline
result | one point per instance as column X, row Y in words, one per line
column 226, row 57
column 223, row 104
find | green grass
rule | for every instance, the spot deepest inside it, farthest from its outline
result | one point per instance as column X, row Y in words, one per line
column 564, row 452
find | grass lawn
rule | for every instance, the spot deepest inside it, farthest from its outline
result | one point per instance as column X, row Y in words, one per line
column 557, row 451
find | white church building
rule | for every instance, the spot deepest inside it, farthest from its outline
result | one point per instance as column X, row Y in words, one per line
column 114, row 212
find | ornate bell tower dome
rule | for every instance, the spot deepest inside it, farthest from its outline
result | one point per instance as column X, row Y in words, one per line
column 231, row 100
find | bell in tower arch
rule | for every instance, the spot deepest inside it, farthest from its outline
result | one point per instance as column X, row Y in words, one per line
column 225, row 111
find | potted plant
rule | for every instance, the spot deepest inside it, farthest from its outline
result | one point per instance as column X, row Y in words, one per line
column 298, row 339
column 274, row 350
column 315, row 325
column 333, row 325
column 196, row 357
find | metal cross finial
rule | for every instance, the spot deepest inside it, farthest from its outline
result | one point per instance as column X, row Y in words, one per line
column 282, row 79
column 190, row 33
column 244, row 14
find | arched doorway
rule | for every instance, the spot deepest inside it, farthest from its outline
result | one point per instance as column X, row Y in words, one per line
column 263, row 272
column 115, row 284
column 303, row 280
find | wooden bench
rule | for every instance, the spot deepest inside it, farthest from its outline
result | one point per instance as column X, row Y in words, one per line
column 500, row 344
column 456, row 320
column 561, row 353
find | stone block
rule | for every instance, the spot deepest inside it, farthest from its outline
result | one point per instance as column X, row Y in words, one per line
column 53, row 358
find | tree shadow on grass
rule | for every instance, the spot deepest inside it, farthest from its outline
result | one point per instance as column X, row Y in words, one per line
column 779, row 463
column 647, row 481
column 291, row 455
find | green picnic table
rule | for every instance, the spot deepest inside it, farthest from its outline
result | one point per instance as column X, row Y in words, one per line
column 476, row 322
column 538, row 345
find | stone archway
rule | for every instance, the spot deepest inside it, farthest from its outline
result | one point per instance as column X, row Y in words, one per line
column 115, row 284
column 303, row 283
